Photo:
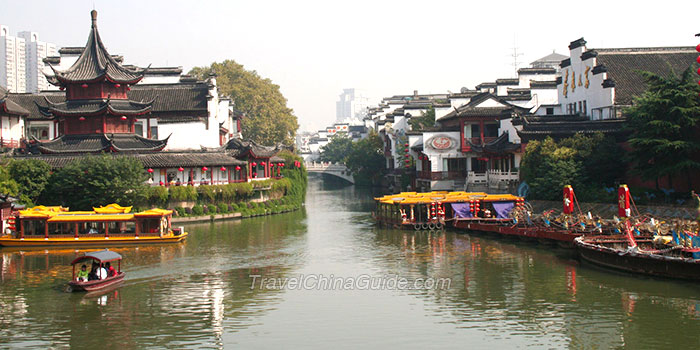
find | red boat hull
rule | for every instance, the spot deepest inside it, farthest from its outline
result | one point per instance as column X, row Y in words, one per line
column 94, row 285
column 541, row 234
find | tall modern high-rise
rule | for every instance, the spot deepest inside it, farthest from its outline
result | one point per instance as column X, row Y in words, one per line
column 36, row 51
column 351, row 105
column 12, row 61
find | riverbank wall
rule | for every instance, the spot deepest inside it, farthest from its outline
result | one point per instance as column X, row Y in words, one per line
column 221, row 217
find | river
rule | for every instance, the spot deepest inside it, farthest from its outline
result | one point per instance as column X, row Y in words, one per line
column 347, row 284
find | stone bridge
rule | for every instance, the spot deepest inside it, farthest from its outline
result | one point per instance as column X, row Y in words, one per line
column 333, row 169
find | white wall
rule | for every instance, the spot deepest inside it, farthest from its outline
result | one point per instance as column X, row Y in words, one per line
column 595, row 95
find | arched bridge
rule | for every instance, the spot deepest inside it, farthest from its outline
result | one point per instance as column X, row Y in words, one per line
column 334, row 169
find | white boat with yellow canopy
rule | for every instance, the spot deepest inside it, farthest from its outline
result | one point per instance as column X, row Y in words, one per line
column 108, row 225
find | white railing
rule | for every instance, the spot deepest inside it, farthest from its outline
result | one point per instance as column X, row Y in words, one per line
column 492, row 177
column 477, row 178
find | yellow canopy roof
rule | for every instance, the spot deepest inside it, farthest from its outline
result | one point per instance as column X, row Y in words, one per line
column 111, row 212
column 442, row 197
column 113, row 208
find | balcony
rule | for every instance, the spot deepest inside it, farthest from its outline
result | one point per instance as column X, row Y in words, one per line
column 9, row 143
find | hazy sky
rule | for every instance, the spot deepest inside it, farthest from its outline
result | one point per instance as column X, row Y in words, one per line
column 314, row 49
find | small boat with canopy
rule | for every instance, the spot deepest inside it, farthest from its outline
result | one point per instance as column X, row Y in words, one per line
column 99, row 259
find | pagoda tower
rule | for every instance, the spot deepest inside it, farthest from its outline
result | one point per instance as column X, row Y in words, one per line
column 97, row 115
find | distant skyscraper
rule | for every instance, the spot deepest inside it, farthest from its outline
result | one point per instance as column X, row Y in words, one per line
column 12, row 61
column 36, row 51
column 350, row 105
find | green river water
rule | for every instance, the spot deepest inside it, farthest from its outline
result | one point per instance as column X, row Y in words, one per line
column 500, row 293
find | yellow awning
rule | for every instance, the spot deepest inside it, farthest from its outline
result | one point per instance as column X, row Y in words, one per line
column 91, row 217
column 113, row 208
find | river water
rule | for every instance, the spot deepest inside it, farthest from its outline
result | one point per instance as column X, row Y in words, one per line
column 356, row 286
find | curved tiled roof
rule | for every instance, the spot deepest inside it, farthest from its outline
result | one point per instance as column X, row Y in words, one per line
column 624, row 67
column 239, row 148
column 499, row 145
column 151, row 160
column 8, row 106
column 96, row 143
column 94, row 107
column 95, row 64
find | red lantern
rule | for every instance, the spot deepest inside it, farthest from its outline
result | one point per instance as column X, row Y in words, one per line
column 697, row 48
column 128, row 88
column 408, row 155
column 117, row 85
column 123, row 117
column 238, row 167
column 262, row 163
column 254, row 164
column 255, row 174
column 180, row 169
column 406, row 144
column 84, row 86
column 161, row 183
column 150, row 170
column 280, row 164
column 698, row 59
column 223, row 169
column 406, row 150
column 204, row 168
column 81, row 119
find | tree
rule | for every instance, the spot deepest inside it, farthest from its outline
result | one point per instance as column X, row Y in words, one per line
column 8, row 186
column 588, row 163
column 427, row 120
column 664, row 125
column 32, row 175
column 268, row 119
column 337, row 150
column 366, row 161
column 94, row 181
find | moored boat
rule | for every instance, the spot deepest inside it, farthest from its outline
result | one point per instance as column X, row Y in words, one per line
column 644, row 258
column 43, row 226
column 98, row 259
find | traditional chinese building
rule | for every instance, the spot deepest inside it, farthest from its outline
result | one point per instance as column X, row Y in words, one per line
column 11, row 121
column 262, row 160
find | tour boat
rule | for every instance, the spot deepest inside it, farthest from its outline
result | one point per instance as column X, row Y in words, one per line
column 100, row 258
column 433, row 210
column 113, row 224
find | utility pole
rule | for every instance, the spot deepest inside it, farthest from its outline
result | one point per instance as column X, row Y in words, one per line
column 515, row 55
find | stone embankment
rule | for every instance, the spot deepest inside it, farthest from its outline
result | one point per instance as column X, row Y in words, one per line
column 607, row 210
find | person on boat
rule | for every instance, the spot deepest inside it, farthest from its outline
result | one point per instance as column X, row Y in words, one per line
column 111, row 271
column 83, row 274
column 93, row 273
column 101, row 272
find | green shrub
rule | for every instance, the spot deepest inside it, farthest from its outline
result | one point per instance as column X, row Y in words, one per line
column 180, row 211
column 183, row 193
column 211, row 209
column 223, row 208
column 157, row 195
column 207, row 193
column 198, row 210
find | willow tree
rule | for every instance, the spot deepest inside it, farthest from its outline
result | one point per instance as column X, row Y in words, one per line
column 664, row 125
column 267, row 120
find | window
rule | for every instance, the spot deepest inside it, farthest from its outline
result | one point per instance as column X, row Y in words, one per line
column 476, row 132
column 573, row 108
column 39, row 132
column 585, row 108
column 138, row 128
column 154, row 132
column 550, row 110
column 491, row 130
column 580, row 104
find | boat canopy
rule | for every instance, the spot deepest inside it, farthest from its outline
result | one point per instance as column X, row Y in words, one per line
column 101, row 256
column 443, row 197
column 111, row 212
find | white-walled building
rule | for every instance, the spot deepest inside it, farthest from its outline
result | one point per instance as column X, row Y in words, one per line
column 12, row 61
column 36, row 51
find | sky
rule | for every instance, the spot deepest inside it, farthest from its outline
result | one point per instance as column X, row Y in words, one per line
column 314, row 49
